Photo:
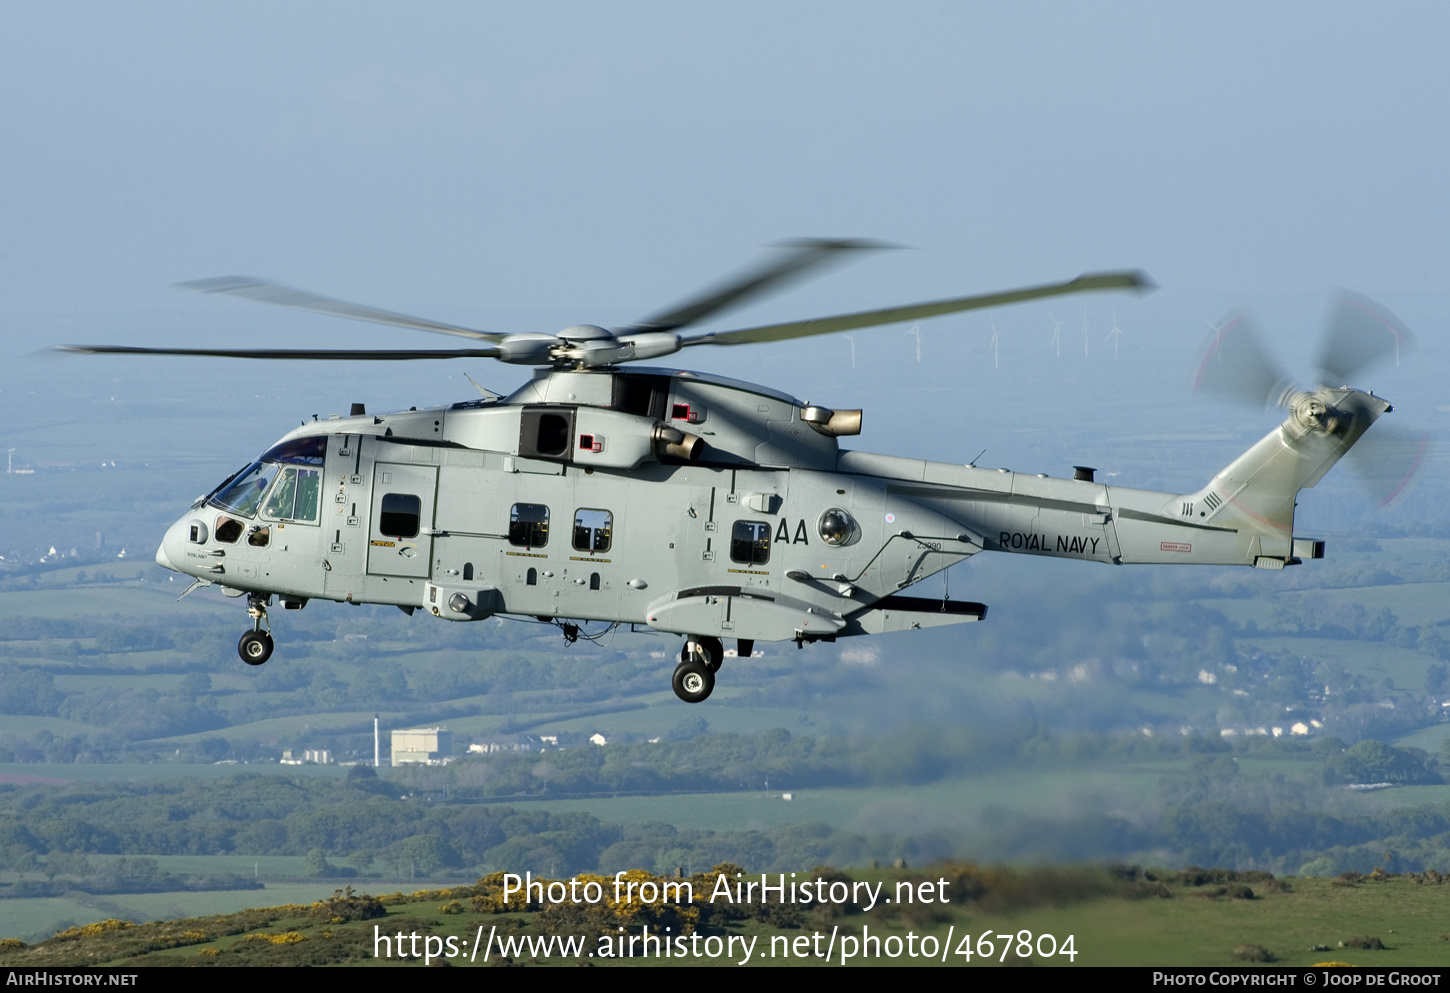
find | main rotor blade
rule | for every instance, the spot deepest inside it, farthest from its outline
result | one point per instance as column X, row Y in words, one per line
column 805, row 255
column 1360, row 332
column 285, row 296
column 1131, row 280
column 1232, row 362
column 379, row 355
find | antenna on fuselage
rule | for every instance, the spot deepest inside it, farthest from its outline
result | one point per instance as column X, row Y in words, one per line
column 486, row 393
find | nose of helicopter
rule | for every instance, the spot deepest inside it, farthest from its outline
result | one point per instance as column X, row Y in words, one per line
column 173, row 539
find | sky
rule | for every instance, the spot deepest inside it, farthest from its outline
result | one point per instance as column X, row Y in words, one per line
column 522, row 167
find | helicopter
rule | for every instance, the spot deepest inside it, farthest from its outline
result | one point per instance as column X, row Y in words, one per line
column 707, row 507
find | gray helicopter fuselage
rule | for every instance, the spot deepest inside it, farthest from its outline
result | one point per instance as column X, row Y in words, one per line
column 690, row 503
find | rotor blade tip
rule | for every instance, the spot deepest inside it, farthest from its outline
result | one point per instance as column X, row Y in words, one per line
column 216, row 284
column 1143, row 283
column 834, row 244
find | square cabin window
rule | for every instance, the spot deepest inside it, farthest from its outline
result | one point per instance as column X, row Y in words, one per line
column 593, row 530
column 529, row 525
column 400, row 515
column 750, row 542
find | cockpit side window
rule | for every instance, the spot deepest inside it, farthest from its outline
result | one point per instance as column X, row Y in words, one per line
column 295, row 494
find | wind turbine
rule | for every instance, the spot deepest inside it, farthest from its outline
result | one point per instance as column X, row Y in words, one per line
column 995, row 363
column 1084, row 332
column 852, row 339
column 1116, row 334
column 915, row 329
column 1056, row 334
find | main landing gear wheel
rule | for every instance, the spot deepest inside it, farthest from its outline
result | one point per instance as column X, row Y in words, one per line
column 704, row 649
column 693, row 681
column 255, row 647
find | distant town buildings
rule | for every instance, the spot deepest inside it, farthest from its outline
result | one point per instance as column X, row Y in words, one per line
column 308, row 756
column 494, row 747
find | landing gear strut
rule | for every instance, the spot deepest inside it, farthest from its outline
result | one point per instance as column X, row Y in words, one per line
column 256, row 645
column 706, row 649
column 695, row 675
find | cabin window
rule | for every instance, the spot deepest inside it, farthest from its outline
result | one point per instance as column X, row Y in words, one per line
column 531, row 578
column 228, row 530
column 594, row 580
column 467, row 571
column 259, row 537
column 750, row 542
column 401, row 515
column 593, row 530
column 529, row 525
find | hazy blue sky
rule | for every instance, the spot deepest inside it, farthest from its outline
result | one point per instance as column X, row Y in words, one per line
column 526, row 166
column 610, row 155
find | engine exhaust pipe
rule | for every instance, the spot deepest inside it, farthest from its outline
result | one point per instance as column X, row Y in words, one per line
column 677, row 444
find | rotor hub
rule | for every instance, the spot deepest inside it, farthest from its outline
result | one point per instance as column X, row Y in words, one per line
column 1310, row 409
column 584, row 332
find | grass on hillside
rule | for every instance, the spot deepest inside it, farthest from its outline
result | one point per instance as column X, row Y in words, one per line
column 1112, row 917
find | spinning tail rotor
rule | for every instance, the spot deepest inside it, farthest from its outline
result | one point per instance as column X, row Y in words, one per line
column 1232, row 362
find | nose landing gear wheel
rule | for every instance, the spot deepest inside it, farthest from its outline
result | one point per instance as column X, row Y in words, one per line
column 693, row 681
column 255, row 647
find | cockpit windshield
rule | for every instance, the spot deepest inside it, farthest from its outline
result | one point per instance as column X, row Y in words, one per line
column 244, row 493
column 292, row 471
column 298, row 451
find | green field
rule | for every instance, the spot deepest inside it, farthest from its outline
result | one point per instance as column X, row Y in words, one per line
column 108, row 772
column 39, row 918
column 885, row 808
column 1201, row 931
